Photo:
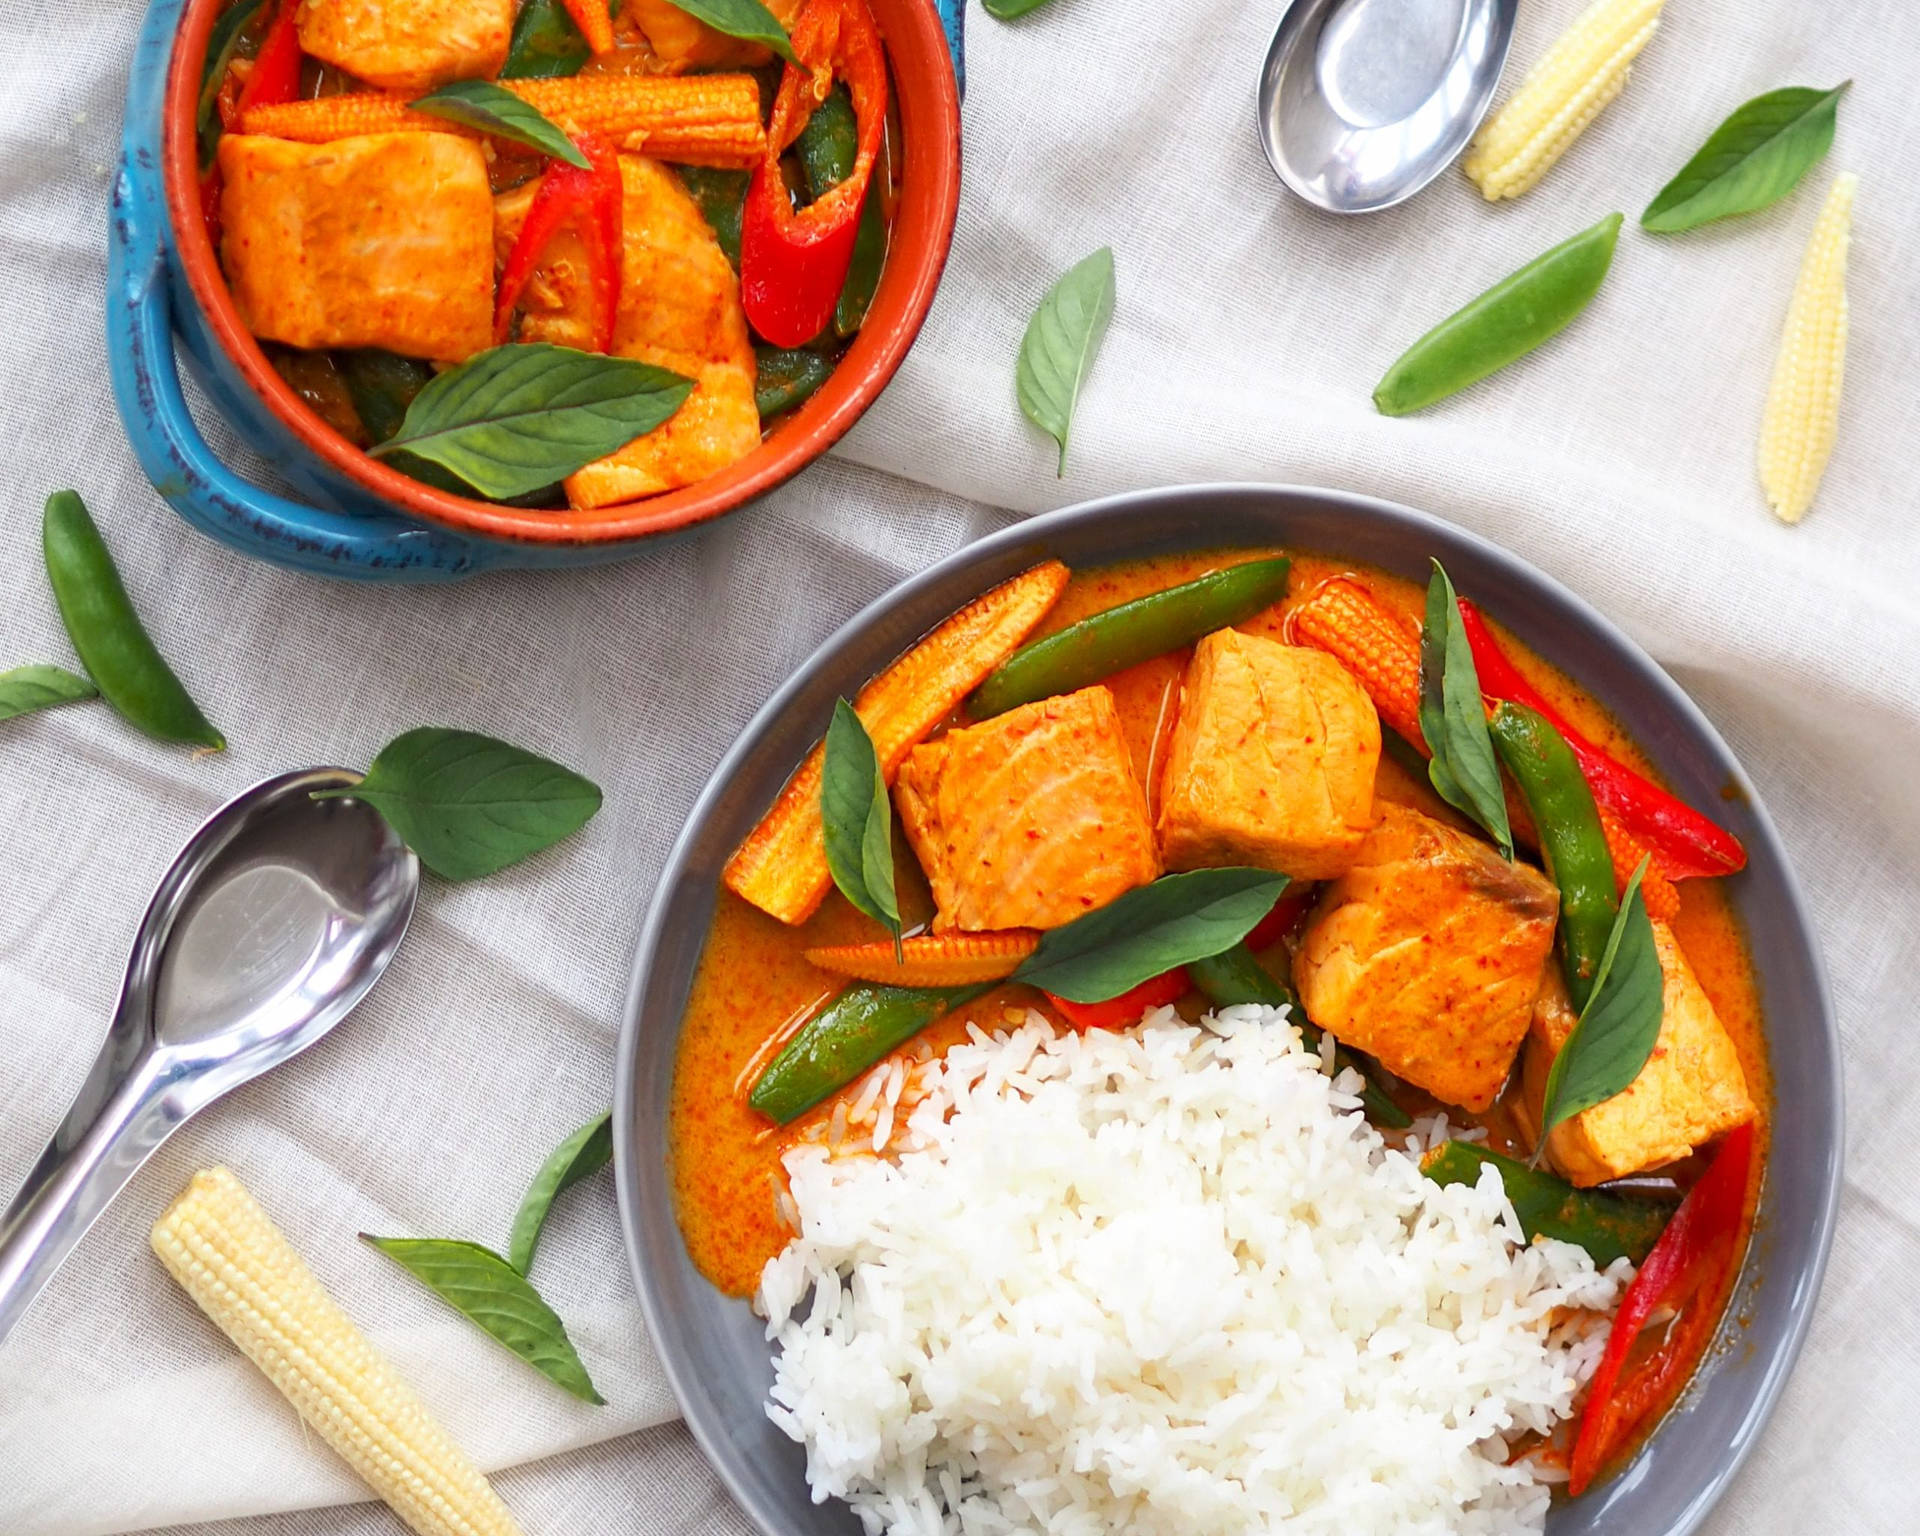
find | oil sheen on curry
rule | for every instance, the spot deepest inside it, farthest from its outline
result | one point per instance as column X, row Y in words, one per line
column 1073, row 745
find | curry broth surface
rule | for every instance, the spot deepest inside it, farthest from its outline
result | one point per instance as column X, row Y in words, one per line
column 754, row 986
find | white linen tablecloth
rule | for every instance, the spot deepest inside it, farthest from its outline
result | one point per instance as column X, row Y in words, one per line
column 1248, row 334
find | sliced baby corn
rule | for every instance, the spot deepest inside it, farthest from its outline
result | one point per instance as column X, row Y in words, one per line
column 931, row 960
column 238, row 1268
column 1803, row 405
column 1564, row 92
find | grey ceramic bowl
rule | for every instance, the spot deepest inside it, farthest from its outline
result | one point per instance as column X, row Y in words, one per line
column 713, row 1347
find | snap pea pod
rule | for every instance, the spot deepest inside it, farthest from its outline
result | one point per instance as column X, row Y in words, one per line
column 1506, row 322
column 119, row 655
column 721, row 197
column 783, row 377
column 863, row 274
column 546, row 44
column 826, row 149
column 1105, row 643
column 1608, row 1226
column 1572, row 841
column 846, row 1037
column 382, row 385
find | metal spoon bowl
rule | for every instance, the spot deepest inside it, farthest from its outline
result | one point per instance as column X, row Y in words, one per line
column 1363, row 102
column 276, row 918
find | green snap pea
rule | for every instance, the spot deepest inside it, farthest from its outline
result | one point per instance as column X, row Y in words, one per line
column 546, row 45
column 1571, row 839
column 382, row 385
column 827, row 148
column 1105, row 643
column 843, row 1039
column 1608, row 1226
column 121, row 658
column 721, row 197
column 863, row 275
column 783, row 377
column 1506, row 322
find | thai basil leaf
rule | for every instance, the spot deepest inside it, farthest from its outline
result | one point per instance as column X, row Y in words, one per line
column 490, row 108
column 1007, row 10
column 1619, row 1026
column 469, row 805
column 546, row 44
column 858, row 818
column 580, row 1156
column 1463, row 770
column 516, row 418
column 1751, row 161
column 1058, row 349
column 382, row 385
column 490, row 1293
column 41, row 686
column 748, row 20
column 223, row 41
column 1151, row 929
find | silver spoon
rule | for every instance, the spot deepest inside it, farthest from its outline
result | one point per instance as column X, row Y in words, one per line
column 275, row 919
column 1363, row 102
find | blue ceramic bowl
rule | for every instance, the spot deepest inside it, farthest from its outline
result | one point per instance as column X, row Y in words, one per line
column 714, row 1348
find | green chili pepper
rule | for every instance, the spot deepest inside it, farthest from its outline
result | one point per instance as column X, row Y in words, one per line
column 122, row 660
column 222, row 43
column 546, row 44
column 1506, row 322
column 1608, row 1226
column 1571, row 839
column 382, row 385
column 784, row 377
column 720, row 196
column 846, row 1037
column 1110, row 642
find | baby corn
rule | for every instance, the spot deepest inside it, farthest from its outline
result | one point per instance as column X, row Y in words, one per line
column 238, row 1268
column 711, row 120
column 1564, row 92
column 931, row 960
column 1803, row 405
column 1346, row 621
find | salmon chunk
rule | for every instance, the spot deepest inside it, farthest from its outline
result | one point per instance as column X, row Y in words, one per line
column 409, row 45
column 1030, row 819
column 384, row 240
column 1690, row 1091
column 1428, row 954
column 1271, row 762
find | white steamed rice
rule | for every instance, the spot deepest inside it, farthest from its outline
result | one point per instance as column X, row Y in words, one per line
column 1165, row 1282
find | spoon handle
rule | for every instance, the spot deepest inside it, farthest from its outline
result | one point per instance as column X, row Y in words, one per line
column 123, row 1113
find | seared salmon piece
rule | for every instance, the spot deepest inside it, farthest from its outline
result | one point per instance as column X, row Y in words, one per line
column 409, row 45
column 680, row 42
column 384, row 240
column 1428, row 954
column 1030, row 819
column 1690, row 1091
column 1271, row 762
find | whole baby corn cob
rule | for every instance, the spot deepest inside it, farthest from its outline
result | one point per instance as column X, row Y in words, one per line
column 1565, row 91
column 931, row 960
column 711, row 120
column 1803, row 404
column 238, row 1268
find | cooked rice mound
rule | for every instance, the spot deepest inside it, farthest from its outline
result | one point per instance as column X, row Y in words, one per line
column 1166, row 1282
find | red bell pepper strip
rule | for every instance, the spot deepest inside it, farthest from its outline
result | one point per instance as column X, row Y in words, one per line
column 1119, row 1012
column 1274, row 927
column 793, row 263
column 1684, row 1274
column 276, row 68
column 594, row 198
column 1682, row 841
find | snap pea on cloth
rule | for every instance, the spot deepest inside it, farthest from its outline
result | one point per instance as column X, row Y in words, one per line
column 1247, row 336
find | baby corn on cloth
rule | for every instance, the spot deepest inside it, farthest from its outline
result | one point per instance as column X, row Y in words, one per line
column 1248, row 334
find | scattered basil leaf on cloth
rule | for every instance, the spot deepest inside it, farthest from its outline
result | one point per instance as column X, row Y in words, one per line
column 1058, row 349
column 1463, row 770
column 1008, row 10
column 748, row 20
column 580, row 1156
column 1751, row 161
column 490, row 1293
column 517, row 418
column 858, row 820
column 490, row 108
column 1619, row 1026
column 546, row 45
column 41, row 686
column 469, row 805
column 1151, row 929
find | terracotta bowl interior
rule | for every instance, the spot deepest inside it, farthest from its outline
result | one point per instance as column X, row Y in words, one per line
column 929, row 192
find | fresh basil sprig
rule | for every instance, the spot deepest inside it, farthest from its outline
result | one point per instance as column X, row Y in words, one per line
column 1176, row 920
column 488, row 1291
column 490, row 108
column 517, row 418
column 748, row 20
column 1058, row 348
column 469, row 805
column 858, row 819
column 41, row 686
column 1751, row 161
column 580, row 1156
column 1620, row 1025
column 1463, row 769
